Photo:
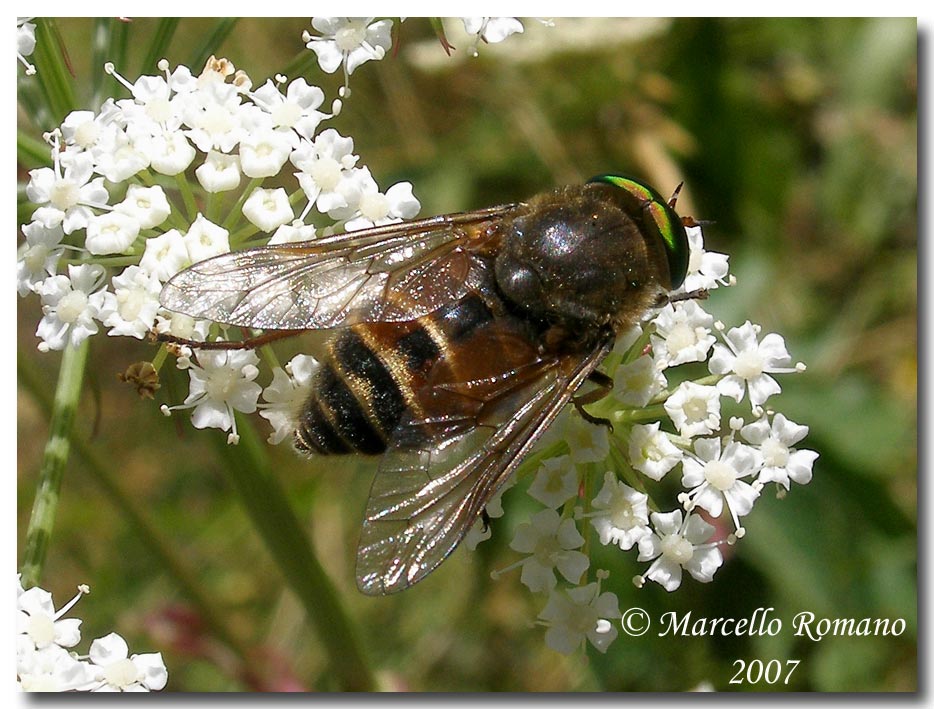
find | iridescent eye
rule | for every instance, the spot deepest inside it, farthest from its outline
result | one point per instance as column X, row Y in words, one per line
column 639, row 198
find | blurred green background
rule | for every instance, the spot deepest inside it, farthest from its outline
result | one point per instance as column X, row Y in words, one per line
column 798, row 137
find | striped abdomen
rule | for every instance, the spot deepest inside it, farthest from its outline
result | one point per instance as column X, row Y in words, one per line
column 372, row 374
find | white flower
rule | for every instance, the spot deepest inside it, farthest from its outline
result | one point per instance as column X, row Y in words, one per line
column 635, row 384
column 70, row 304
column 676, row 546
column 706, row 269
column 221, row 383
column 580, row 614
column 123, row 156
column 42, row 624
column 217, row 117
column 67, row 195
column 481, row 531
column 114, row 670
column 682, row 334
column 165, row 255
column 183, row 326
column 746, row 362
column 111, row 233
column 42, row 662
column 694, row 409
column 286, row 394
column 651, row 452
column 550, row 542
column 588, row 442
column 86, row 130
column 264, row 151
column 219, row 172
column 714, row 476
column 131, row 309
column 205, row 239
column 492, row 29
column 38, row 256
column 350, row 41
column 556, row 482
column 147, row 205
column 158, row 101
column 780, row 462
column 268, row 209
column 293, row 233
column 297, row 110
column 170, row 153
column 25, row 42
column 376, row 208
column 52, row 669
column 326, row 166
column 621, row 513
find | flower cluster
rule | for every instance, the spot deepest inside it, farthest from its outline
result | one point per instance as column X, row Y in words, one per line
column 45, row 662
column 186, row 168
column 347, row 42
column 661, row 420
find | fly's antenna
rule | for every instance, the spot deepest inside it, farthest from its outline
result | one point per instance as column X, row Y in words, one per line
column 674, row 196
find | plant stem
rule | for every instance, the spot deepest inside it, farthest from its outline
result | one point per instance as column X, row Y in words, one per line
column 57, row 448
column 275, row 521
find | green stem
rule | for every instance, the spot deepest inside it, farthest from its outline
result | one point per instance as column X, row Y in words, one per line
column 57, row 448
column 161, row 39
column 212, row 42
column 649, row 413
column 107, row 261
column 31, row 152
column 288, row 543
column 234, row 215
column 188, row 197
column 239, row 237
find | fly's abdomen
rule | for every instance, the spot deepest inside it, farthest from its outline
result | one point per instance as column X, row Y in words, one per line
column 374, row 372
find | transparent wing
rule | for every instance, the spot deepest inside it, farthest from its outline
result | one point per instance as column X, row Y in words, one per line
column 446, row 463
column 391, row 273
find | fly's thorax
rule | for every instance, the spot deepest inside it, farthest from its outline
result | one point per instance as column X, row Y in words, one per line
column 577, row 255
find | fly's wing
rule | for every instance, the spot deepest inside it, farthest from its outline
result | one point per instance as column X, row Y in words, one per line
column 446, row 461
column 390, row 273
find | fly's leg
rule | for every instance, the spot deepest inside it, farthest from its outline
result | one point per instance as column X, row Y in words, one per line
column 604, row 387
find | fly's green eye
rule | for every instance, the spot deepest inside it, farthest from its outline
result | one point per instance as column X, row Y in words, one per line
column 640, row 199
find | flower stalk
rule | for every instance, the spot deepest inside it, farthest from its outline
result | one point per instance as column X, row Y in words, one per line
column 54, row 459
column 247, row 466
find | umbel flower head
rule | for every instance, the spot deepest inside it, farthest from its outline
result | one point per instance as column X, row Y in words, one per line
column 664, row 419
column 108, row 200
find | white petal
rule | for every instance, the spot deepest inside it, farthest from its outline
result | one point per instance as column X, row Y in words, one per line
column 761, row 388
column 108, row 649
column 537, row 577
column 667, row 574
column 572, row 565
column 741, row 497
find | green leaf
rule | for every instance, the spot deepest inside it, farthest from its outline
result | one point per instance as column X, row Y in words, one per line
column 212, row 43
column 53, row 73
column 31, row 153
column 161, row 39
